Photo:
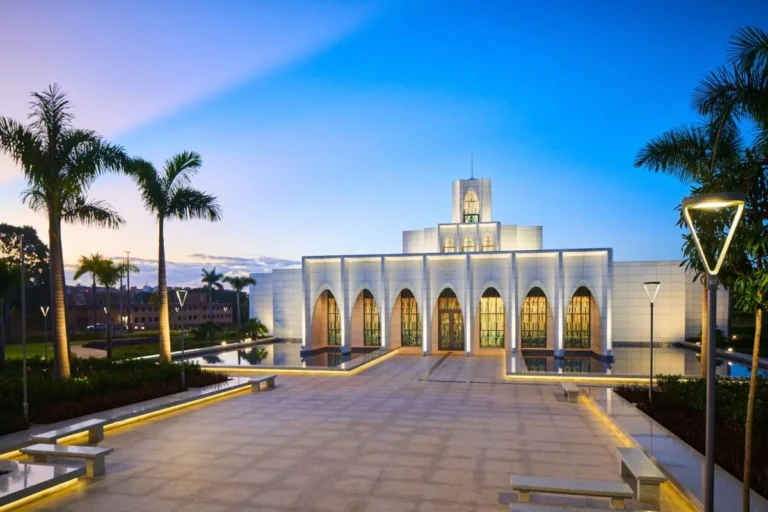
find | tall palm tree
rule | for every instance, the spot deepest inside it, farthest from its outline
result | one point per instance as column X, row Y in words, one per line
column 167, row 194
column 108, row 273
column 692, row 154
column 238, row 283
column 211, row 280
column 60, row 163
column 90, row 265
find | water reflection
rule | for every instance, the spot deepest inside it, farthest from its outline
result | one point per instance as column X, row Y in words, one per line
column 283, row 354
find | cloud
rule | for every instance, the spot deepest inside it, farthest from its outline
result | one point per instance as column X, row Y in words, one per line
column 187, row 273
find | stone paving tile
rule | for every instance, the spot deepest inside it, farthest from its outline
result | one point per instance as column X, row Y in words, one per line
column 380, row 441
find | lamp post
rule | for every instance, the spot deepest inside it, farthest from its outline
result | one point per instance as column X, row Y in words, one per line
column 44, row 310
column 712, row 202
column 651, row 289
column 182, row 296
column 22, row 255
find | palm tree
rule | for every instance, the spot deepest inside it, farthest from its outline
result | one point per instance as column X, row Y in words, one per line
column 167, row 194
column 211, row 280
column 693, row 154
column 60, row 164
column 8, row 278
column 238, row 283
column 740, row 93
column 108, row 274
column 90, row 265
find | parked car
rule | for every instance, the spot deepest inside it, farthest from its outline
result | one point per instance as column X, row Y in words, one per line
column 96, row 328
column 139, row 327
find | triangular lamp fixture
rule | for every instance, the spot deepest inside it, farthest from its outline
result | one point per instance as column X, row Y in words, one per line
column 713, row 202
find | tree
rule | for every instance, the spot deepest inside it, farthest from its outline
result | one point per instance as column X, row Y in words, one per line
column 107, row 273
column 168, row 195
column 8, row 278
column 60, row 163
column 739, row 93
column 91, row 265
column 238, row 283
column 693, row 154
column 211, row 280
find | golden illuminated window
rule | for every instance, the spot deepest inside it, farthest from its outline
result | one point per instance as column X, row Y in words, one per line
column 577, row 319
column 334, row 321
column 488, row 244
column 491, row 319
column 468, row 245
column 533, row 324
column 450, row 322
column 448, row 245
column 410, row 326
column 371, row 332
column 471, row 208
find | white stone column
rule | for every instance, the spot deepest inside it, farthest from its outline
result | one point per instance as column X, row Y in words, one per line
column 513, row 308
column 468, row 307
column 607, row 312
column 384, row 322
column 306, row 317
column 346, row 310
column 425, row 311
column 559, row 308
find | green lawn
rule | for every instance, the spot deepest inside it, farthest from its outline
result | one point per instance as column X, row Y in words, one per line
column 14, row 350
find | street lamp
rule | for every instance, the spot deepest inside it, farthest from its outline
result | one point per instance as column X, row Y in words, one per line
column 705, row 203
column 651, row 289
column 44, row 310
column 23, row 250
column 182, row 296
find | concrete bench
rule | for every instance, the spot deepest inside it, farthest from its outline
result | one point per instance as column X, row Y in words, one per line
column 539, row 507
column 571, row 391
column 616, row 491
column 95, row 428
column 636, row 465
column 257, row 381
column 93, row 455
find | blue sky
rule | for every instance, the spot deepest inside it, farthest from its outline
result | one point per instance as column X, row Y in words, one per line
column 330, row 127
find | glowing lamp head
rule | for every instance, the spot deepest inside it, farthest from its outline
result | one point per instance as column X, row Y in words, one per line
column 713, row 202
column 182, row 296
column 652, row 289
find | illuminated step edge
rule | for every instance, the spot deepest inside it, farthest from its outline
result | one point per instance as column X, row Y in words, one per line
column 26, row 482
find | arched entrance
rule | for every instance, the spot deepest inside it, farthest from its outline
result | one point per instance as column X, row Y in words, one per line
column 450, row 323
column 491, row 320
column 406, row 321
column 536, row 321
column 365, row 322
column 326, row 321
column 582, row 322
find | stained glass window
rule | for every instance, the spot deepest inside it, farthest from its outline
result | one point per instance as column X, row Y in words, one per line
column 468, row 245
column 577, row 319
column 488, row 244
column 533, row 324
column 471, row 208
column 450, row 322
column 448, row 245
column 410, row 326
column 491, row 319
column 334, row 321
column 371, row 332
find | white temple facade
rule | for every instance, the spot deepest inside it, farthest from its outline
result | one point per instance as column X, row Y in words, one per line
column 477, row 285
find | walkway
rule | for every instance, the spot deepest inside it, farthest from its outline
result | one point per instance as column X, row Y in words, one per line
column 382, row 440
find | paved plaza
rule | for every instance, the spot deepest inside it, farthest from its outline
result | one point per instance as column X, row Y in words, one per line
column 386, row 439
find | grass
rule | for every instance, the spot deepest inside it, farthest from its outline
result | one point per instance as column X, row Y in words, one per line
column 148, row 349
column 14, row 350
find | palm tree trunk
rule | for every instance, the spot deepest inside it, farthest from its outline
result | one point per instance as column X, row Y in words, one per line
column 162, row 290
column 58, row 308
column 704, row 329
column 2, row 333
column 109, row 328
column 751, row 410
column 210, row 308
column 237, row 294
column 93, row 300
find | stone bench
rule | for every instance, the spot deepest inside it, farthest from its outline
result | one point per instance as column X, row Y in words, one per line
column 93, row 455
column 571, row 391
column 256, row 382
column 616, row 491
column 635, row 464
column 95, row 428
column 539, row 507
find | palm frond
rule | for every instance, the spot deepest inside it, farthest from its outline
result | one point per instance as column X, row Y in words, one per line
column 680, row 152
column 188, row 203
column 50, row 113
column 34, row 197
column 149, row 182
column 84, row 155
column 748, row 49
column 180, row 168
column 21, row 144
column 239, row 282
column 82, row 210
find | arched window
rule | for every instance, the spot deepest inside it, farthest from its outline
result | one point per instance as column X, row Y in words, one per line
column 488, row 244
column 533, row 325
column 577, row 319
column 468, row 245
column 471, row 208
column 448, row 245
column 334, row 321
column 410, row 326
column 371, row 332
column 491, row 319
column 450, row 322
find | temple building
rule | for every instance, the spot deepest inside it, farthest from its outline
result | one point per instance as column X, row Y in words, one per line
column 477, row 285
